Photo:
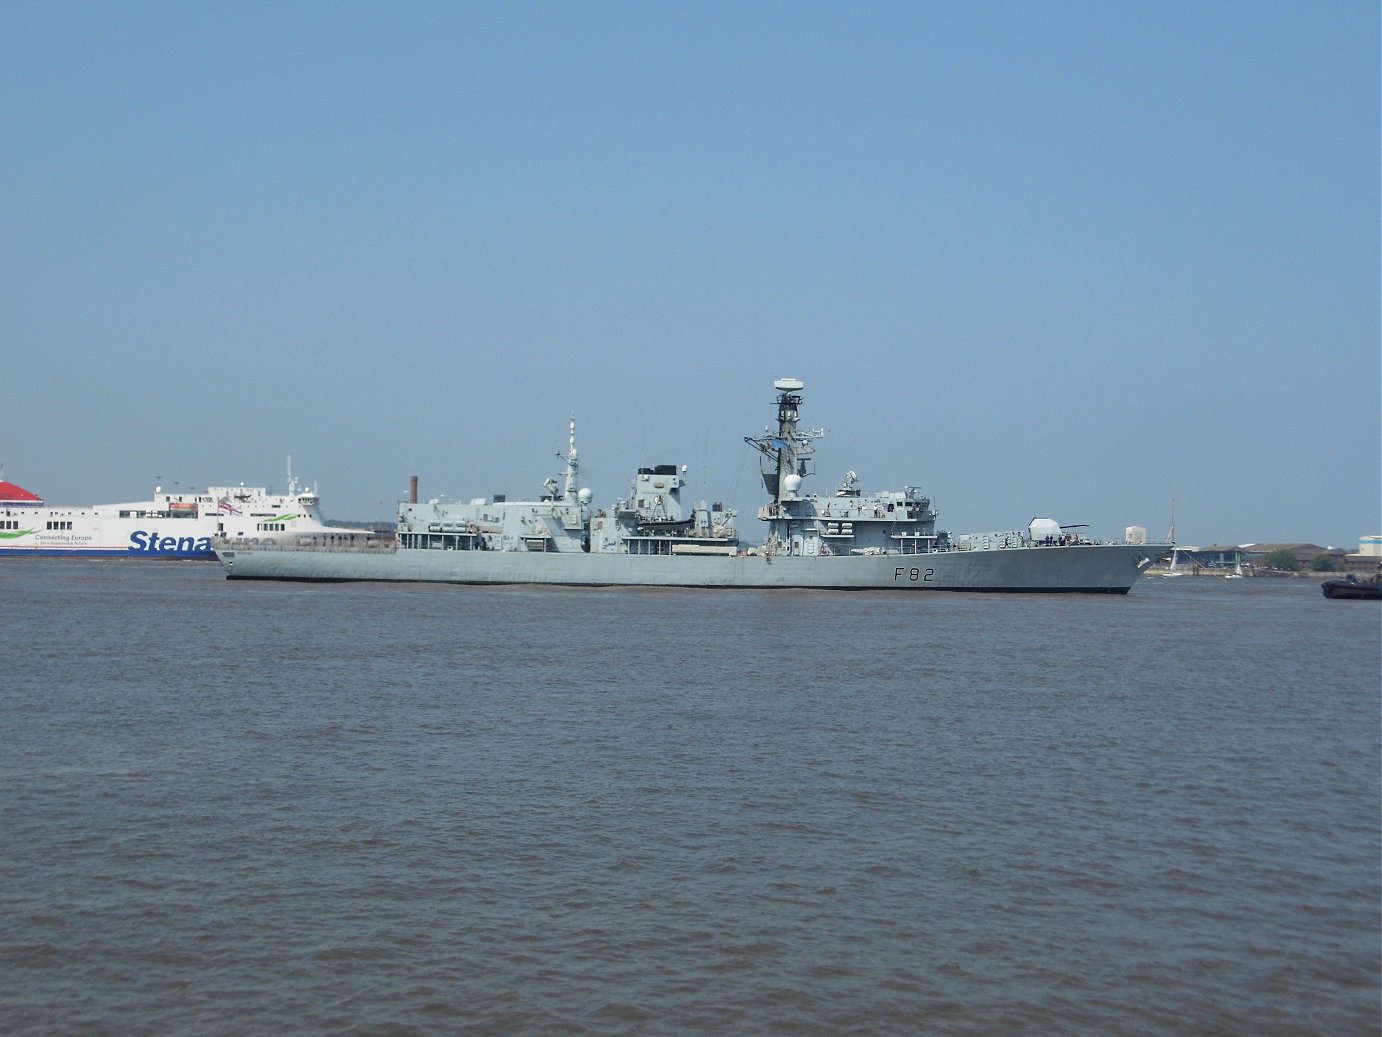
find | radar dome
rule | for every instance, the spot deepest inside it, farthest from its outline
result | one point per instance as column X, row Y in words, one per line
column 584, row 495
column 792, row 483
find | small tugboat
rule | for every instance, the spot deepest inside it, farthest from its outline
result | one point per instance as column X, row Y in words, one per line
column 1353, row 588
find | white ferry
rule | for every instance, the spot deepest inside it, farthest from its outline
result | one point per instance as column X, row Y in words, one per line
column 170, row 525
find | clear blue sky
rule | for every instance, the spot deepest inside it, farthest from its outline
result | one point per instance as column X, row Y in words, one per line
column 1068, row 259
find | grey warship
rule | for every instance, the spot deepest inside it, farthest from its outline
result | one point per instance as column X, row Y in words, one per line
column 847, row 540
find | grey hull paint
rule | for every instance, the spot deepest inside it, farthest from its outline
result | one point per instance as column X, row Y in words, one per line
column 849, row 540
column 1088, row 568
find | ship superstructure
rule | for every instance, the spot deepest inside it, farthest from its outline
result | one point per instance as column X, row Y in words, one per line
column 849, row 539
column 653, row 520
column 851, row 522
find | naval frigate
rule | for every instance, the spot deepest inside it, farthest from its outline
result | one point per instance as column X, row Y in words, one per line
column 849, row 539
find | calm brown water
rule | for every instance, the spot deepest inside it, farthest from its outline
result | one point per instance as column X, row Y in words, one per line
column 264, row 808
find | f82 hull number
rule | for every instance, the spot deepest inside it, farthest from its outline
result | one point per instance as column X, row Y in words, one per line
column 901, row 575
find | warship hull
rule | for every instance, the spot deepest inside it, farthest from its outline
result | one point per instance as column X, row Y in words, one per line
column 852, row 539
column 1084, row 568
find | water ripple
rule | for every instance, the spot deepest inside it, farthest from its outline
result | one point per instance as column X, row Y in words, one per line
column 381, row 810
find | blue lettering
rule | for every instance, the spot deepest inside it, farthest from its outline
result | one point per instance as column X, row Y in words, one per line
column 149, row 542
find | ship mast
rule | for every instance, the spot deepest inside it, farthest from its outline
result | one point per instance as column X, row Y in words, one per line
column 789, row 450
column 573, row 466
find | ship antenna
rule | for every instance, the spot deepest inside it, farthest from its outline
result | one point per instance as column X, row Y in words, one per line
column 573, row 466
column 789, row 450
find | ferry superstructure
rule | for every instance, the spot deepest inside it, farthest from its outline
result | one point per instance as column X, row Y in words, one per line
column 850, row 539
column 169, row 525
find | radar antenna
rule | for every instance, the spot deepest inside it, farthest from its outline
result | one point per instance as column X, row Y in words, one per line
column 787, row 454
column 573, row 466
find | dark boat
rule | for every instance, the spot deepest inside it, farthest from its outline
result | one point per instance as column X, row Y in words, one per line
column 1353, row 588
